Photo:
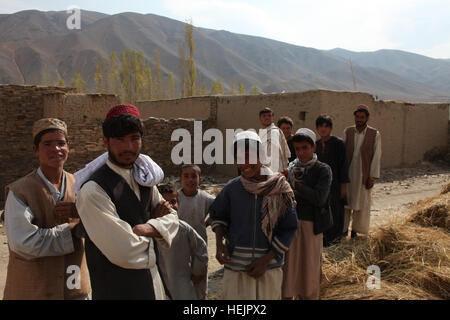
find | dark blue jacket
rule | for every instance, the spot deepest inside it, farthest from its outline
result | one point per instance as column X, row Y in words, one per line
column 240, row 212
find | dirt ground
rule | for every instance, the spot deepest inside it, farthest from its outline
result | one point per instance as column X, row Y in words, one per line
column 392, row 195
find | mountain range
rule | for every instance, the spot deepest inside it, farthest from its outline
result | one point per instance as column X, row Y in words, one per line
column 36, row 44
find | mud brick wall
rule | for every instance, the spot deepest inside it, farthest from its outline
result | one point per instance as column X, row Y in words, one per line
column 158, row 145
column 21, row 106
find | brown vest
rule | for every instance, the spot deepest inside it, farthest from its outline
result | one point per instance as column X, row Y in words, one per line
column 44, row 278
column 367, row 149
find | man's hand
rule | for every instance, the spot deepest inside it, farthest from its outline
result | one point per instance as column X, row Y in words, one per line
column 222, row 254
column 369, row 184
column 258, row 267
column 161, row 209
column 197, row 279
column 146, row 230
column 65, row 210
column 73, row 222
column 343, row 191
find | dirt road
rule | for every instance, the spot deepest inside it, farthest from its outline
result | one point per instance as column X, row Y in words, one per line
column 392, row 195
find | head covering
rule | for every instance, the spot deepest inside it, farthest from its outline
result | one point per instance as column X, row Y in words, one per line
column 250, row 135
column 363, row 108
column 123, row 109
column 307, row 132
column 48, row 123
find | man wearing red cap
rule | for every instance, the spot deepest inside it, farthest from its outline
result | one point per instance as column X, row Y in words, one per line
column 363, row 144
column 115, row 206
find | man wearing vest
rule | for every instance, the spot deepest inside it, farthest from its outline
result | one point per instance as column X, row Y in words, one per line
column 46, row 258
column 363, row 144
column 115, row 208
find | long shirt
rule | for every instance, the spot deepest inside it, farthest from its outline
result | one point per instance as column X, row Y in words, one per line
column 114, row 237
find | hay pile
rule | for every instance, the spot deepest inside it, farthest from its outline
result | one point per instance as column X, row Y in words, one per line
column 413, row 255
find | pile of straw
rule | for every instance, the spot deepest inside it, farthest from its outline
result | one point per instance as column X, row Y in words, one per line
column 412, row 254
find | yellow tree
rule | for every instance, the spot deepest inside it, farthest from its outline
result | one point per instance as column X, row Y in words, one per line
column 254, row 91
column 60, row 82
column 78, row 83
column 158, row 84
column 191, row 79
column 171, row 86
column 182, row 69
column 241, row 88
column 113, row 75
column 217, row 87
column 98, row 79
column 148, row 82
column 231, row 90
column 132, row 75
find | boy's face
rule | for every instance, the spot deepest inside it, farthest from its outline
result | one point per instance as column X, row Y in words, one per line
column 287, row 129
column 247, row 167
column 53, row 150
column 190, row 180
column 172, row 198
column 304, row 151
column 324, row 130
column 266, row 119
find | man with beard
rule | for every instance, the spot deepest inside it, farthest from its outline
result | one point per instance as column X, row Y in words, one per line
column 115, row 209
column 363, row 145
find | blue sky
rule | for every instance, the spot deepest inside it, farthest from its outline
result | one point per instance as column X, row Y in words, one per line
column 420, row 26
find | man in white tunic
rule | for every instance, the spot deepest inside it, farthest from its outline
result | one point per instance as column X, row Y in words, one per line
column 115, row 210
column 273, row 141
column 363, row 144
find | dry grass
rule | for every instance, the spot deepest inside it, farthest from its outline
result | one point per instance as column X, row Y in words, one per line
column 413, row 256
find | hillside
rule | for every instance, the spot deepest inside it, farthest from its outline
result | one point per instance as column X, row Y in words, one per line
column 37, row 47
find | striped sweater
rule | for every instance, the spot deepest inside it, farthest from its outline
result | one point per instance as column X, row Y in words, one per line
column 240, row 212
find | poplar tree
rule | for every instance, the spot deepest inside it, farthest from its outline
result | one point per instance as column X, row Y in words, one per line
column 217, row 87
column 60, row 82
column 148, row 83
column 241, row 88
column 171, row 86
column 254, row 91
column 158, row 89
column 98, row 79
column 191, row 77
column 78, row 83
column 182, row 69
column 231, row 90
column 113, row 75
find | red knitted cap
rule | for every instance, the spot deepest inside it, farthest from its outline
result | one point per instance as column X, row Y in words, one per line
column 123, row 109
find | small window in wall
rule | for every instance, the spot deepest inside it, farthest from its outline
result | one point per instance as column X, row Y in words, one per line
column 302, row 115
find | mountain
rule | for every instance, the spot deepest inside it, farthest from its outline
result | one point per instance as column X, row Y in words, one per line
column 37, row 46
column 433, row 72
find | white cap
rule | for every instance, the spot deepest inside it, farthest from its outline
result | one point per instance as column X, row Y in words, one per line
column 307, row 132
column 251, row 135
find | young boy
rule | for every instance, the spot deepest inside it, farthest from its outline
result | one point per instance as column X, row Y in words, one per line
column 311, row 181
column 194, row 206
column 41, row 222
column 256, row 216
column 184, row 265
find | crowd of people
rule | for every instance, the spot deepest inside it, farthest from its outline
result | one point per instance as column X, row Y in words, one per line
column 113, row 230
